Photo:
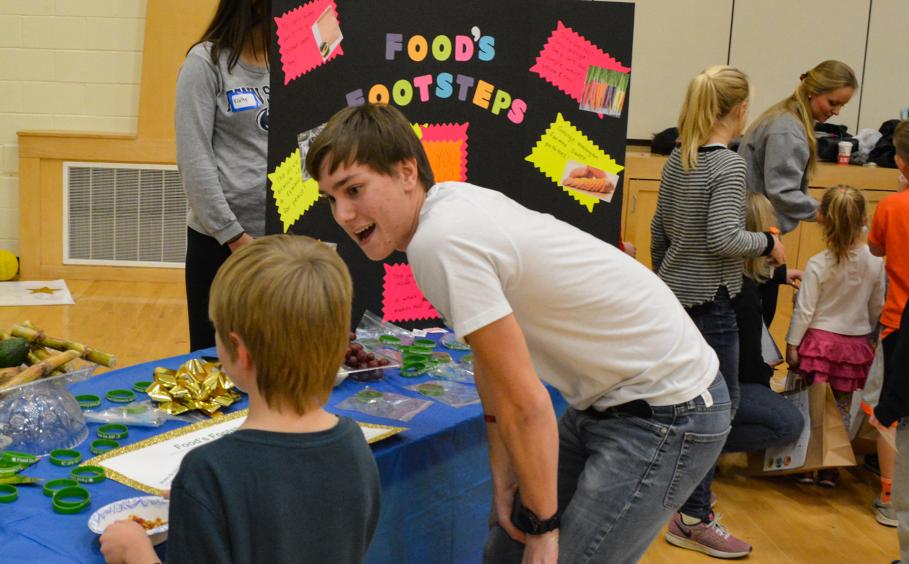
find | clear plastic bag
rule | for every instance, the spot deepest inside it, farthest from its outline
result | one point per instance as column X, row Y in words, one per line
column 384, row 404
column 450, row 393
column 452, row 372
column 372, row 328
column 450, row 341
column 142, row 413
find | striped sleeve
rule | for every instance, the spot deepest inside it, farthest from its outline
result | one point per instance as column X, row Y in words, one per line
column 726, row 213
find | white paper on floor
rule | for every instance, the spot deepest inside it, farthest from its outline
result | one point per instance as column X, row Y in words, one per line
column 35, row 293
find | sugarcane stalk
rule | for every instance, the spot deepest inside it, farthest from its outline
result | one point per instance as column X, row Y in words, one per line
column 44, row 354
column 38, row 370
column 33, row 358
column 28, row 333
column 90, row 354
column 7, row 373
column 100, row 357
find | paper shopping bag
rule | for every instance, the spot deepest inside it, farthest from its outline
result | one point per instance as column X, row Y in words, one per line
column 827, row 446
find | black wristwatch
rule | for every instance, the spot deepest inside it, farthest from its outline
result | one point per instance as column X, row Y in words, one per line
column 527, row 521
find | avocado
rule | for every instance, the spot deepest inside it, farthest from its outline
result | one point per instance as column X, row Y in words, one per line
column 13, row 352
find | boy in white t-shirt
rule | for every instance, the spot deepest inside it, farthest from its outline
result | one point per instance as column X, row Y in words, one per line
column 537, row 298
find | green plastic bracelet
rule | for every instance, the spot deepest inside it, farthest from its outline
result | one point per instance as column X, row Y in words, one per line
column 20, row 457
column 121, row 396
column 414, row 368
column 8, row 493
column 424, row 343
column 60, row 500
column 389, row 340
column 141, row 386
column 100, row 446
column 65, row 457
column 431, row 389
column 54, row 485
column 88, row 401
column 366, row 396
column 113, row 431
column 8, row 467
column 88, row 474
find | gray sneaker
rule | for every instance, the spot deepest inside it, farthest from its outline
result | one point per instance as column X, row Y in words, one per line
column 884, row 513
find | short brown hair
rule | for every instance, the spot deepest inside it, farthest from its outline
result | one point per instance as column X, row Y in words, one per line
column 289, row 299
column 375, row 135
column 901, row 139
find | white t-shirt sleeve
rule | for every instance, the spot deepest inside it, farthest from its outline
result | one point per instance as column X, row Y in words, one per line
column 463, row 268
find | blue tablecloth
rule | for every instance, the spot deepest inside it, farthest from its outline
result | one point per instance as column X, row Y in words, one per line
column 436, row 486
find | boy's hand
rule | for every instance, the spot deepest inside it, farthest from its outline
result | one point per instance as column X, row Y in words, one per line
column 542, row 549
column 126, row 542
column 792, row 356
column 503, row 502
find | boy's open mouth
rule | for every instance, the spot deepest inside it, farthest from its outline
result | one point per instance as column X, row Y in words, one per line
column 364, row 232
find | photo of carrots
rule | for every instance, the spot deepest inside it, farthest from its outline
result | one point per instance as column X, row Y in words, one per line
column 604, row 91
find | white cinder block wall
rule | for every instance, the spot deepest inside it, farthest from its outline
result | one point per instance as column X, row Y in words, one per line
column 64, row 65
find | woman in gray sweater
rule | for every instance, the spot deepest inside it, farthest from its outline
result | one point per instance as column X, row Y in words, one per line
column 780, row 151
column 222, row 146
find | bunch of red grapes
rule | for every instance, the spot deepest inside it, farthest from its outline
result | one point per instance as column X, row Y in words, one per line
column 358, row 358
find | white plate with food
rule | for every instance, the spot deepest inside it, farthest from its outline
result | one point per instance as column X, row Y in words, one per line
column 149, row 511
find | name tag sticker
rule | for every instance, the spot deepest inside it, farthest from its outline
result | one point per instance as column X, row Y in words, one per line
column 240, row 101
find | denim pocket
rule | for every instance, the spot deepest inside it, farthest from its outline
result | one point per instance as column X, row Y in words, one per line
column 696, row 457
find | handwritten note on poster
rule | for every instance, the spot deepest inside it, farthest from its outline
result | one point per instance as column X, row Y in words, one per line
column 565, row 58
column 446, row 148
column 402, row 300
column 563, row 142
column 293, row 197
column 308, row 36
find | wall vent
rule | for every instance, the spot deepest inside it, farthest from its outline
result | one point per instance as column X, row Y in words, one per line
column 123, row 215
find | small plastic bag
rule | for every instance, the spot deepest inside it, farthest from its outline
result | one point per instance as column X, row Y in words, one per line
column 450, row 341
column 452, row 372
column 372, row 328
column 143, row 414
column 450, row 393
column 384, row 404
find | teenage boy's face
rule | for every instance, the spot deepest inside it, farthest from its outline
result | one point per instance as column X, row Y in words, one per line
column 379, row 212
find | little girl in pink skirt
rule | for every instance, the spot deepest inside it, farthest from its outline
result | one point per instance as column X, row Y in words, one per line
column 838, row 305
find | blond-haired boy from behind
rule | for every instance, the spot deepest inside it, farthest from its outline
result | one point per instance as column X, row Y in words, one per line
column 294, row 483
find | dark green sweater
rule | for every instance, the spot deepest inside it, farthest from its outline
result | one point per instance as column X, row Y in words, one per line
column 257, row 496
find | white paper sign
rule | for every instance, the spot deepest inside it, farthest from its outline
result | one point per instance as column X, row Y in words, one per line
column 152, row 464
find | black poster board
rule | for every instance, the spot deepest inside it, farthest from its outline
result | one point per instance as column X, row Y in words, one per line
column 522, row 105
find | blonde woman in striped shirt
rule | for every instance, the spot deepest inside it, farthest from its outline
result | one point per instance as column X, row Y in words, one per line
column 699, row 245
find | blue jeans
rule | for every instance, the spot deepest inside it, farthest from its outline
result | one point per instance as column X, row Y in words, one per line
column 621, row 476
column 764, row 419
column 716, row 322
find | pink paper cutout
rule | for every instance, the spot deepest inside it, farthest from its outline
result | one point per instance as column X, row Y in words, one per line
column 448, row 132
column 402, row 299
column 564, row 60
column 296, row 43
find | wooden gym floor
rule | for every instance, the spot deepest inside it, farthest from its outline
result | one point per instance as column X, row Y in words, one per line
column 785, row 522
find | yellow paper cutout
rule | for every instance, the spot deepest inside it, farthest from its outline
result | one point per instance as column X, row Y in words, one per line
column 417, row 129
column 445, row 159
column 563, row 142
column 292, row 196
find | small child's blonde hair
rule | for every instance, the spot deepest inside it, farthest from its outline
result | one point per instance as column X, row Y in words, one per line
column 289, row 299
column 711, row 95
column 842, row 219
column 759, row 216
